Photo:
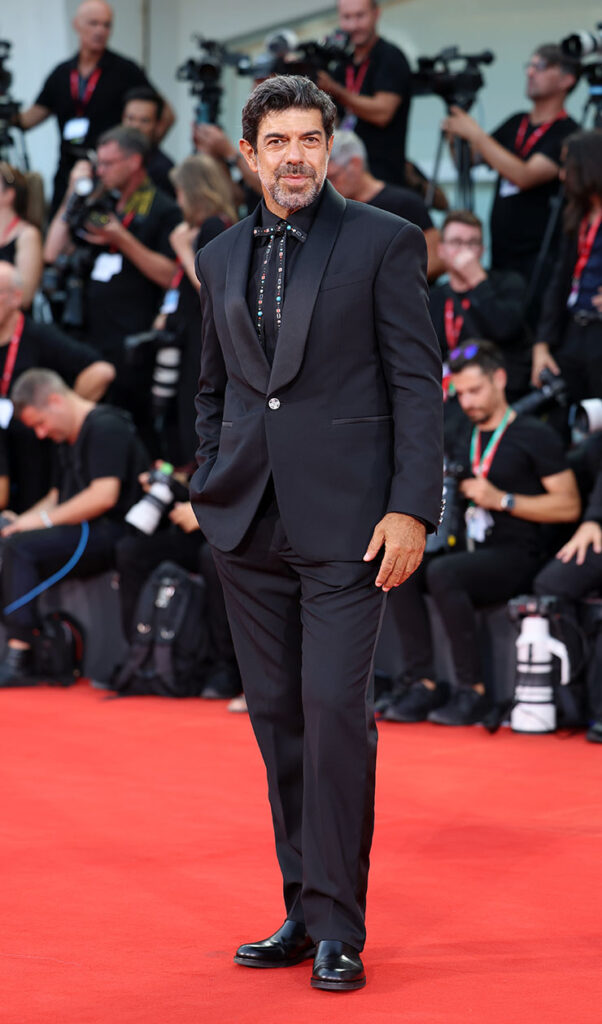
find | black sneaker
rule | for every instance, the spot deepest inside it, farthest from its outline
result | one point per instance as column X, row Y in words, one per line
column 16, row 669
column 465, row 707
column 416, row 702
column 399, row 687
column 594, row 733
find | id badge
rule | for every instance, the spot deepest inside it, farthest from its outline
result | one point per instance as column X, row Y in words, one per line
column 507, row 189
column 573, row 297
column 478, row 523
column 76, row 129
column 106, row 266
column 170, row 301
column 6, row 412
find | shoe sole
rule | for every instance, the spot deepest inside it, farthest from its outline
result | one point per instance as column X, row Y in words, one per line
column 252, row 962
column 338, row 986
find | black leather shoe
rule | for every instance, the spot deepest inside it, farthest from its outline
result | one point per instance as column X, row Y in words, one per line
column 465, row 707
column 288, row 946
column 594, row 733
column 337, row 967
column 416, row 703
column 16, row 668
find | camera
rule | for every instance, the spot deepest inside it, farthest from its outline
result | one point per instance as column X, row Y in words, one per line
column 204, row 73
column 436, row 76
column 285, row 55
column 87, row 206
column 586, row 419
column 451, row 526
column 552, row 389
column 583, row 44
column 147, row 513
column 8, row 107
column 166, row 347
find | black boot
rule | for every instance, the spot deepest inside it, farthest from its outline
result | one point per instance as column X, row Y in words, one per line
column 16, row 668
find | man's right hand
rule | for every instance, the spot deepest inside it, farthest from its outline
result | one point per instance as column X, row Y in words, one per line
column 210, row 139
column 542, row 359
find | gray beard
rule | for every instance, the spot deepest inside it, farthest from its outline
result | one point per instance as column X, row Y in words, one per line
column 294, row 200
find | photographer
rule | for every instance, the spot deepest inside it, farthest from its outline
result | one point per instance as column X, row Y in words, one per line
column 20, row 237
column 25, row 344
column 374, row 89
column 85, row 93
column 575, row 572
column 135, row 261
column 348, row 172
column 476, row 304
column 98, row 459
column 525, row 151
column 519, row 480
column 142, row 110
column 569, row 334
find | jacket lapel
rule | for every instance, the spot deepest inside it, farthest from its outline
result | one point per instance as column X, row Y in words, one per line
column 301, row 294
column 249, row 351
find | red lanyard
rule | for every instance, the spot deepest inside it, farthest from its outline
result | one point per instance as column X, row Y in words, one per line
column 454, row 324
column 127, row 220
column 82, row 103
column 587, row 237
column 481, row 467
column 175, row 281
column 11, row 356
column 524, row 148
column 355, row 79
column 9, row 228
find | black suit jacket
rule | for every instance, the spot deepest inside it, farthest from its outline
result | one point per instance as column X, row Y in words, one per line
column 348, row 420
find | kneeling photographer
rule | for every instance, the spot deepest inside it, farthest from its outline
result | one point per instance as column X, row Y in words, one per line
column 76, row 526
column 181, row 541
column 517, row 480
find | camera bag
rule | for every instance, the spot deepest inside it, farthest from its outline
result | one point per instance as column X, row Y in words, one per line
column 58, row 649
column 168, row 656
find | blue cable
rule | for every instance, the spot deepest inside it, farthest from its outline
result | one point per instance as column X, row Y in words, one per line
column 59, row 575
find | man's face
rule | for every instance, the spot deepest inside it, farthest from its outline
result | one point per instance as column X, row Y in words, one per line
column 114, row 167
column 291, row 157
column 545, row 80
column 142, row 115
column 359, row 18
column 51, row 420
column 93, row 23
column 346, row 178
column 480, row 394
column 460, row 242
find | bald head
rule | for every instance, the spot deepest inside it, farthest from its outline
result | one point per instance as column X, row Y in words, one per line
column 93, row 22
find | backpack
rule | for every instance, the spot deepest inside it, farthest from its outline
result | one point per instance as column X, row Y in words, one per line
column 58, row 649
column 169, row 653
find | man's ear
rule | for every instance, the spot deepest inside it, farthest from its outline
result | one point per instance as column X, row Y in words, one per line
column 249, row 154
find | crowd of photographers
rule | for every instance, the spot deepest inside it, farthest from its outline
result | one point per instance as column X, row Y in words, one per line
column 99, row 376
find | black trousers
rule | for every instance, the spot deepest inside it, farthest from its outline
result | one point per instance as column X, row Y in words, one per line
column 458, row 584
column 579, row 357
column 305, row 635
column 571, row 582
column 31, row 557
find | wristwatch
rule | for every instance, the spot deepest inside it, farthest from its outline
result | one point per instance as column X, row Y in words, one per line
column 508, row 502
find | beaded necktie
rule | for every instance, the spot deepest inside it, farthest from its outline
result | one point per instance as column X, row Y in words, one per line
column 279, row 230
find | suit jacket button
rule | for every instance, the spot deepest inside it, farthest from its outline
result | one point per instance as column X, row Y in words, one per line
column 274, row 403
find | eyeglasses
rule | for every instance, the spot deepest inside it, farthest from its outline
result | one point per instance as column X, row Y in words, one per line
column 463, row 243
column 537, row 65
column 467, row 351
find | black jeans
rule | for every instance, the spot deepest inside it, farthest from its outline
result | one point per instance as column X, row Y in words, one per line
column 31, row 557
column 458, row 584
column 570, row 582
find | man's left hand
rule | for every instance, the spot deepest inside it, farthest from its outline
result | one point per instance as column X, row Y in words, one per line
column 484, row 494
column 109, row 234
column 404, row 538
column 461, row 124
column 28, row 521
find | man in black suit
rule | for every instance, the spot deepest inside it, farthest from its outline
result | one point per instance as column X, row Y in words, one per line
column 319, row 423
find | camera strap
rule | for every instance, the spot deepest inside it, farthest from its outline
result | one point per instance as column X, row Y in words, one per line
column 481, row 466
column 9, row 227
column 522, row 147
column 454, row 324
column 81, row 102
column 11, row 356
column 587, row 237
column 354, row 78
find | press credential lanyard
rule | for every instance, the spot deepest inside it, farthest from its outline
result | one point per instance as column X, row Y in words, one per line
column 454, row 324
column 481, row 466
column 11, row 356
column 587, row 237
column 524, row 148
column 82, row 102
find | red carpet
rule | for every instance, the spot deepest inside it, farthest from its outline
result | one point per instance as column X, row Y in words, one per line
column 136, row 854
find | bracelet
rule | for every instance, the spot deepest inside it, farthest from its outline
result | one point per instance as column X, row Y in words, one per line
column 45, row 518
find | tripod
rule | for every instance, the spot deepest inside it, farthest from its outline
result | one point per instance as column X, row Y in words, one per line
column 464, row 184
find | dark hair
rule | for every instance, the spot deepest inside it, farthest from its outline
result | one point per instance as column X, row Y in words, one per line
column 554, row 56
column 462, row 217
column 130, row 140
column 475, row 352
column 147, row 95
column 34, row 387
column 281, row 93
column 583, row 164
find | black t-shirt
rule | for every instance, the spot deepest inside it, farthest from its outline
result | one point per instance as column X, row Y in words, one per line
column 528, row 452
column 404, row 203
column 518, row 221
column 29, row 460
column 103, row 110
column 158, row 166
column 106, row 446
column 128, row 302
column 388, row 71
